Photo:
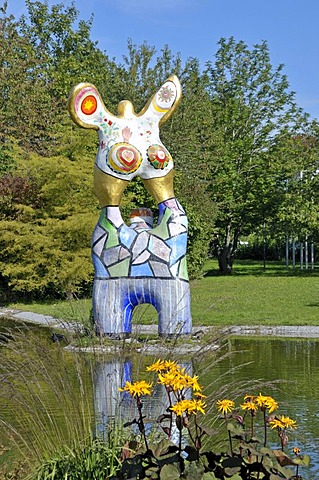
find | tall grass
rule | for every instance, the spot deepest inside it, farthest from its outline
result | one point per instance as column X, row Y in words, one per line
column 47, row 399
column 46, row 395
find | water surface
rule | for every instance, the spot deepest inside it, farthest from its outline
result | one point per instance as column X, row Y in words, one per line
column 75, row 387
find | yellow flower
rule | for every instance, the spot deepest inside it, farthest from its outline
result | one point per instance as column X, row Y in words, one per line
column 167, row 378
column 171, row 366
column 162, row 365
column 272, row 405
column 200, row 395
column 276, row 423
column 296, row 450
column 249, row 405
column 180, row 407
column 137, row 388
column 261, row 401
column 225, row 406
column 265, row 402
column 288, row 422
column 158, row 366
column 283, row 422
column 193, row 383
column 198, row 406
column 188, row 406
column 180, row 381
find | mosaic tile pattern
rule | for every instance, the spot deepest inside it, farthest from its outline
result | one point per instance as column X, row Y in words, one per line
column 120, row 251
column 134, row 266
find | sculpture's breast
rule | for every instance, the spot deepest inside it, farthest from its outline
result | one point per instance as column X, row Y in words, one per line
column 131, row 147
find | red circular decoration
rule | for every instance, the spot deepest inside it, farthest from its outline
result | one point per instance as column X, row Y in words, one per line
column 89, row 105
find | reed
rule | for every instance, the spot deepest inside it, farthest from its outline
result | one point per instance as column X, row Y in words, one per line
column 46, row 395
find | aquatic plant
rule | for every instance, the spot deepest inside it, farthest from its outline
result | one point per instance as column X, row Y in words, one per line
column 249, row 459
column 94, row 459
column 50, row 419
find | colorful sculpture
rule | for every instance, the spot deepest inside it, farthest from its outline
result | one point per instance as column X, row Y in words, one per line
column 137, row 263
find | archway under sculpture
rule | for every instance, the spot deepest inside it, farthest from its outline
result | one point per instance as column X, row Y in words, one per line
column 136, row 263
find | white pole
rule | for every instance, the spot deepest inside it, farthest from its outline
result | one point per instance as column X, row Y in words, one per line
column 312, row 255
column 301, row 255
column 294, row 253
column 306, row 252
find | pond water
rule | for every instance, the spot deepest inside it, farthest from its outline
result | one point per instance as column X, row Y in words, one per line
column 286, row 369
column 295, row 363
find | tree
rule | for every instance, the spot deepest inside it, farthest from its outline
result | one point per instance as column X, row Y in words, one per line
column 48, row 208
column 47, row 215
column 298, row 215
column 25, row 101
column 43, row 55
column 189, row 137
column 252, row 108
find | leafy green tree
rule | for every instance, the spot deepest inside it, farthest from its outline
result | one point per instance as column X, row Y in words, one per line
column 252, row 107
column 47, row 208
column 189, row 137
column 25, row 105
column 298, row 215
column 43, row 55
column 47, row 219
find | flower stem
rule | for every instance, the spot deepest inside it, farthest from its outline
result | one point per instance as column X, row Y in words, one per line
column 141, row 422
column 229, row 438
column 265, row 429
column 252, row 426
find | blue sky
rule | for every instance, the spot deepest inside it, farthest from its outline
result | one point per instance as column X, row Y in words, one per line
column 193, row 28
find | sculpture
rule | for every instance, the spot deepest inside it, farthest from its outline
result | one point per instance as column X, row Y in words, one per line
column 138, row 263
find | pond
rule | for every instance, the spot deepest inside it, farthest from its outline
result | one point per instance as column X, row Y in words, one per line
column 295, row 363
column 287, row 369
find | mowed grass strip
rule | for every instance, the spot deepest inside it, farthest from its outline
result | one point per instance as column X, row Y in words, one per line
column 255, row 297
column 250, row 296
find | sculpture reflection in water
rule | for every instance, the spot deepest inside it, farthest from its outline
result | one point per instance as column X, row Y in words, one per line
column 138, row 263
column 110, row 403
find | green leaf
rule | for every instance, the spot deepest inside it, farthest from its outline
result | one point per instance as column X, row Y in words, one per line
column 163, row 447
column 283, row 471
column 267, row 451
column 193, row 470
column 236, row 476
column 282, row 458
column 209, row 476
column 232, row 462
column 237, row 431
column 274, row 476
column 254, row 440
column 302, row 460
column 169, row 472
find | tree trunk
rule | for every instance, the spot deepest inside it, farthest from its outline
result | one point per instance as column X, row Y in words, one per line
column 224, row 263
column 226, row 253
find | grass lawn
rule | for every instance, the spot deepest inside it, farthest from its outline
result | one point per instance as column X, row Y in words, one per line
column 250, row 296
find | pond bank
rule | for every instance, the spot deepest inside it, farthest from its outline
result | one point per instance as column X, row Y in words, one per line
column 291, row 331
